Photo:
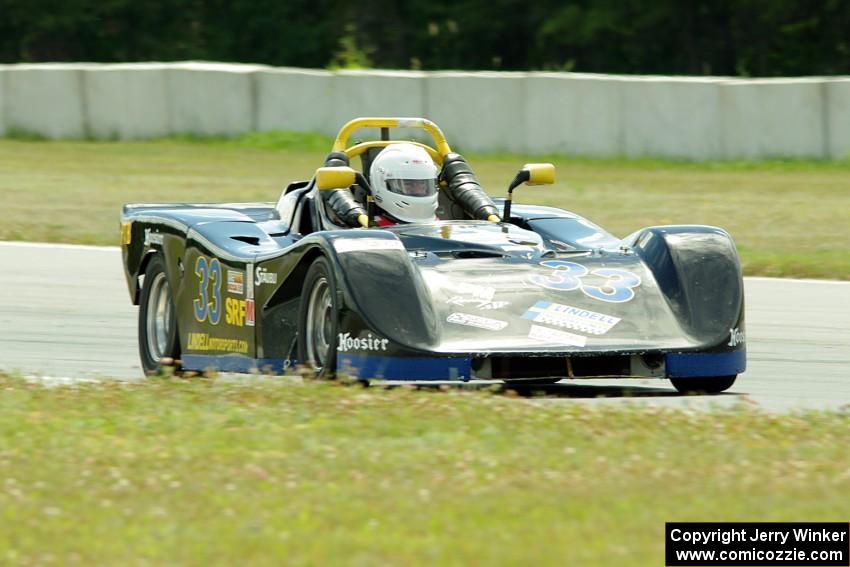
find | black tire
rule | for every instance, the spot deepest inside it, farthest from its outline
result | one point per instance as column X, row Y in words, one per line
column 318, row 320
column 158, row 336
column 707, row 385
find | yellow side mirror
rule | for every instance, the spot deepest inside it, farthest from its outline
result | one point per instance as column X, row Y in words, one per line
column 334, row 178
column 540, row 173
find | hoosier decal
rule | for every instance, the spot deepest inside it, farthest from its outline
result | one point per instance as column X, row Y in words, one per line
column 569, row 317
column 347, row 343
column 736, row 337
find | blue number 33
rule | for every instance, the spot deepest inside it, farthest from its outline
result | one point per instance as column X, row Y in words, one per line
column 206, row 306
column 618, row 287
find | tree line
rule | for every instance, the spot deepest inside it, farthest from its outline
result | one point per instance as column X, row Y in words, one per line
column 692, row 37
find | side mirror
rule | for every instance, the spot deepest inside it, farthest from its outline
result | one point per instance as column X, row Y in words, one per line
column 530, row 174
column 539, row 173
column 335, row 178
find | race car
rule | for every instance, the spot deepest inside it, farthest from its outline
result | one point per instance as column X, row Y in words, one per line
column 541, row 295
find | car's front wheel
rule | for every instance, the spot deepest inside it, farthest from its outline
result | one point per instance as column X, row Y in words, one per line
column 704, row 385
column 158, row 340
column 318, row 320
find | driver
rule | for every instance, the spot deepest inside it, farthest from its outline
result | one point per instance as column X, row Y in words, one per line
column 404, row 181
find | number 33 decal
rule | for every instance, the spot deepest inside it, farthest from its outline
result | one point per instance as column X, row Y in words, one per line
column 618, row 287
column 206, row 306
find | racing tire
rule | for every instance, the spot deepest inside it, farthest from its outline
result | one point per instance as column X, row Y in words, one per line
column 158, row 336
column 318, row 320
column 707, row 385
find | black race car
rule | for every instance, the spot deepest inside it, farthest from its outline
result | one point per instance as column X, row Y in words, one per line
column 542, row 295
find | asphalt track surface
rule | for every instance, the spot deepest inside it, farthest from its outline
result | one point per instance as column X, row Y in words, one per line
column 65, row 314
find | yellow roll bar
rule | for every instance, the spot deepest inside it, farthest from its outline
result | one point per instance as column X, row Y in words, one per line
column 358, row 149
column 375, row 122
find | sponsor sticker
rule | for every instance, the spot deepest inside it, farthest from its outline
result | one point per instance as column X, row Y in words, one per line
column 263, row 276
column 249, row 312
column 479, row 303
column 344, row 245
column 569, row 317
column 152, row 237
column 126, row 232
column 547, row 335
column 476, row 321
column 235, row 312
column 235, row 282
column 736, row 337
column 346, row 342
column 480, row 296
column 204, row 342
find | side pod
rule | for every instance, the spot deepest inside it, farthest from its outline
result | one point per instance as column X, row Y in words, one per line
column 698, row 270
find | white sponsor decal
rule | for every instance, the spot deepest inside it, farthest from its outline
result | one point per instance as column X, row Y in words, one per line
column 152, row 237
column 569, row 317
column 366, row 244
column 554, row 336
column 263, row 276
column 477, row 321
column 480, row 296
column 235, row 282
column 479, row 303
column 736, row 337
column 346, row 343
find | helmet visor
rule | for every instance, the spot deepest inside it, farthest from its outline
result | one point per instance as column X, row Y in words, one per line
column 413, row 187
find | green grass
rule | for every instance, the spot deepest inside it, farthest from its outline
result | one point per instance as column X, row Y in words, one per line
column 267, row 472
column 789, row 218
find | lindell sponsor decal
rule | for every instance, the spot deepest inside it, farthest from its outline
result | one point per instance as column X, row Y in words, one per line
column 235, row 282
column 547, row 335
column 347, row 343
column 476, row 321
column 570, row 317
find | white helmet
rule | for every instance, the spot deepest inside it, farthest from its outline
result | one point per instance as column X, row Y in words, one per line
column 404, row 182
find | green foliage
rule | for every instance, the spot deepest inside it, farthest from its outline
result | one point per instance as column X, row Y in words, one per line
column 750, row 37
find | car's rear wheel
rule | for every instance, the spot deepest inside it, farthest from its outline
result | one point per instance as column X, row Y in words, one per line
column 704, row 385
column 318, row 320
column 158, row 340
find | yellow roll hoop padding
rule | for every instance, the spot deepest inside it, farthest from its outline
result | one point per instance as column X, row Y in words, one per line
column 335, row 178
column 358, row 149
column 442, row 145
column 540, row 173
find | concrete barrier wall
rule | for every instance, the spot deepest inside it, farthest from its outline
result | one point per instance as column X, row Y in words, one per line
column 126, row 101
column 45, row 99
column 838, row 118
column 565, row 113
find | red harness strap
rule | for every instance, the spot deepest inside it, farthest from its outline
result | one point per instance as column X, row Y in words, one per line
column 381, row 220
